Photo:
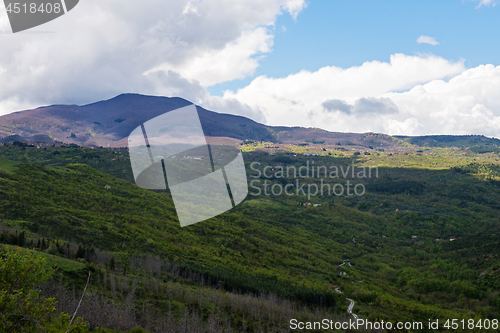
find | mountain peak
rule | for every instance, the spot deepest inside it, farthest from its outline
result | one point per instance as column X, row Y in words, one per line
column 109, row 122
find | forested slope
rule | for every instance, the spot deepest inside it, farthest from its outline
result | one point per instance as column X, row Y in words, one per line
column 403, row 265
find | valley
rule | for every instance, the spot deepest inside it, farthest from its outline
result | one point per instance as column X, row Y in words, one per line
column 412, row 236
column 425, row 231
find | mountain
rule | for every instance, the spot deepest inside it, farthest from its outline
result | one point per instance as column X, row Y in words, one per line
column 108, row 123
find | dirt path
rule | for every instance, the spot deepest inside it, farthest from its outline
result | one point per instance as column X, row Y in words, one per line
column 349, row 309
column 351, row 305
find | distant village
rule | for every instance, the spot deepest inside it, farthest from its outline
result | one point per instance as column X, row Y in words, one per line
column 55, row 144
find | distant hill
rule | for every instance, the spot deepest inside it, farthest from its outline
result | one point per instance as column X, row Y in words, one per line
column 460, row 141
column 108, row 123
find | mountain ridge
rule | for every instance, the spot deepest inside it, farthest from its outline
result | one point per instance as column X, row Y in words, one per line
column 108, row 123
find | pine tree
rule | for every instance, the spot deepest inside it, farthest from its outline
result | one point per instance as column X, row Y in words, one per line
column 21, row 239
column 80, row 253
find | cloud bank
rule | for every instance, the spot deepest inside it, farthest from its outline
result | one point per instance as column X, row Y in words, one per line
column 179, row 48
column 339, row 99
column 468, row 103
column 375, row 98
column 363, row 106
column 107, row 47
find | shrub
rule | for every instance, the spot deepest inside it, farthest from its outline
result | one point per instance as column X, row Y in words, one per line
column 52, row 249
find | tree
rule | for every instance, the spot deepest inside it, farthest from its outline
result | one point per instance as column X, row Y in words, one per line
column 52, row 249
column 80, row 253
column 21, row 239
column 22, row 308
column 111, row 264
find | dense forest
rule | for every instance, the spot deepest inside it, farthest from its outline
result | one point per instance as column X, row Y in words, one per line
column 421, row 243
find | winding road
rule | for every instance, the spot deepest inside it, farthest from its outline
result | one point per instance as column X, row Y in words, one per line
column 349, row 309
column 351, row 305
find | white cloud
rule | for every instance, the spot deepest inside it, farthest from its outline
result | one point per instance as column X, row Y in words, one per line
column 466, row 104
column 233, row 106
column 103, row 48
column 294, row 7
column 408, row 126
column 4, row 21
column 427, row 40
column 190, row 8
column 235, row 61
column 449, row 99
column 485, row 3
column 299, row 99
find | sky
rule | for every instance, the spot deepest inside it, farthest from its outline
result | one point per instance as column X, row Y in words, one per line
column 397, row 67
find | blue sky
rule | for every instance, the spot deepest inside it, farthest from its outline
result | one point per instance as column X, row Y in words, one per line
column 349, row 33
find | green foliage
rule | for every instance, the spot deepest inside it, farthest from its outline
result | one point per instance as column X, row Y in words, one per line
column 399, row 186
column 21, row 306
column 485, row 149
column 7, row 165
column 52, row 249
column 461, row 141
column 61, row 322
column 276, row 244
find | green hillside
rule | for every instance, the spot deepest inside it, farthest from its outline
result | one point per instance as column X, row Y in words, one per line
column 461, row 141
column 402, row 264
